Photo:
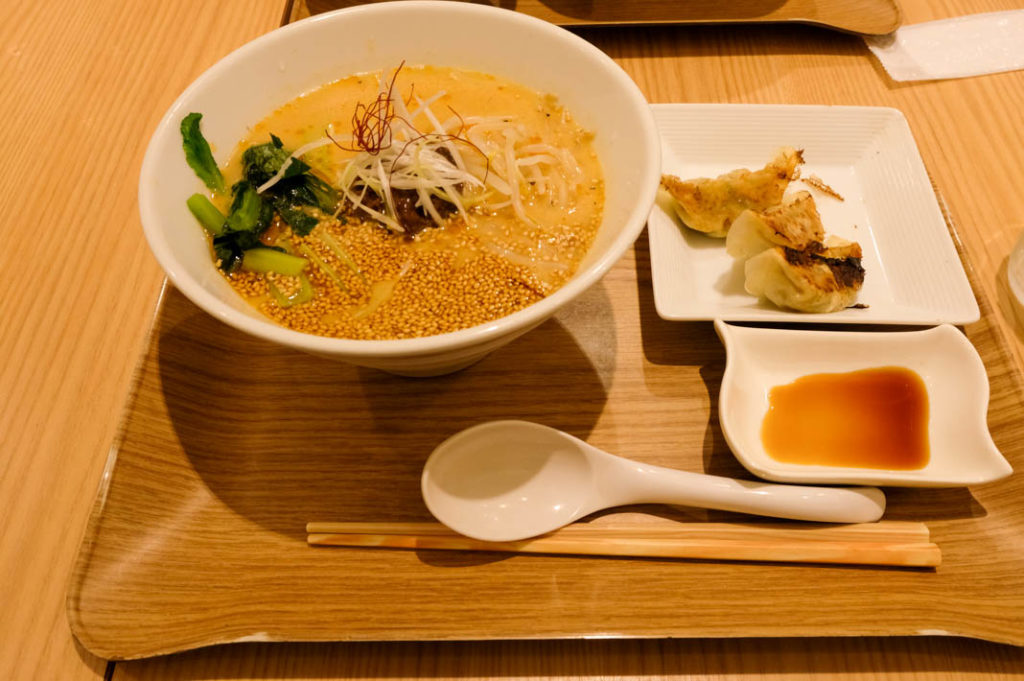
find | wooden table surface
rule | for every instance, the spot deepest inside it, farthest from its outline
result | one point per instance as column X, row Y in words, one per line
column 82, row 86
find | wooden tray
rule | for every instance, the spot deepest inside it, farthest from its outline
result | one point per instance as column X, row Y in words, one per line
column 230, row 445
column 871, row 17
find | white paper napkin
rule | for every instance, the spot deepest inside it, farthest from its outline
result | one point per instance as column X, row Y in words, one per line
column 953, row 48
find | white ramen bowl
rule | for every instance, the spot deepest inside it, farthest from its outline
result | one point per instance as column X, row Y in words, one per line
column 253, row 81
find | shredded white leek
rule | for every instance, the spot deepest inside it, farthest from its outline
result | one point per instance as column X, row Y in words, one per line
column 484, row 162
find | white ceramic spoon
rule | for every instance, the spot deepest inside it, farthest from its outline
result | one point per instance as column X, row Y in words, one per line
column 509, row 480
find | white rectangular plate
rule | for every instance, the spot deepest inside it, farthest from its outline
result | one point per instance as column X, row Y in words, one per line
column 867, row 154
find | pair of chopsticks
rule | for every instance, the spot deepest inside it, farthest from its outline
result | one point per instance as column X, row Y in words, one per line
column 895, row 543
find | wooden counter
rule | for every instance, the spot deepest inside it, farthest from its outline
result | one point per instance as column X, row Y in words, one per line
column 83, row 85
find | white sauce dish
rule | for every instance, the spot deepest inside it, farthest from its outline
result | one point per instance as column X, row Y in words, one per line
column 961, row 450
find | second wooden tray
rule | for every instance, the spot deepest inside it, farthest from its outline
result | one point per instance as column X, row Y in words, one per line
column 870, row 17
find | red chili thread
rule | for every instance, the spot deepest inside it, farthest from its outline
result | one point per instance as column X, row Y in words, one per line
column 371, row 124
column 371, row 127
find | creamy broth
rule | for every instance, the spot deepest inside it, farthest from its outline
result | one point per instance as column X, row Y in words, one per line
column 485, row 261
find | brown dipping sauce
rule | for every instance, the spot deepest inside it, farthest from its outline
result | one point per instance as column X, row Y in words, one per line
column 873, row 418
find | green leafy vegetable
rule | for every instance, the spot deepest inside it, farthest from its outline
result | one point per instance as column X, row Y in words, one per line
column 265, row 260
column 291, row 196
column 297, row 187
column 249, row 212
column 301, row 223
column 207, row 214
column 198, row 154
column 230, row 247
column 249, row 216
column 262, row 161
column 309, row 190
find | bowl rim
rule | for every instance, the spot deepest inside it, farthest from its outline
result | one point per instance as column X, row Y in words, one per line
column 519, row 321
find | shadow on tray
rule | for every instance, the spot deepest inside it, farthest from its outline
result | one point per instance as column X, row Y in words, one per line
column 283, row 438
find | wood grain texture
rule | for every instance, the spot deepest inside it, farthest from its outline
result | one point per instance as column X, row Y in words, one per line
column 857, row 659
column 974, row 166
column 82, row 85
column 873, row 17
column 221, row 466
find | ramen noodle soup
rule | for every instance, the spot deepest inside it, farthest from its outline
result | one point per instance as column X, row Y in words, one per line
column 403, row 204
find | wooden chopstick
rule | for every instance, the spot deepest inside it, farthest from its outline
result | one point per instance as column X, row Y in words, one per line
column 884, row 543
column 883, row 531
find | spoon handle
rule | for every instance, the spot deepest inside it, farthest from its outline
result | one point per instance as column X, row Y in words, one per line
column 643, row 483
